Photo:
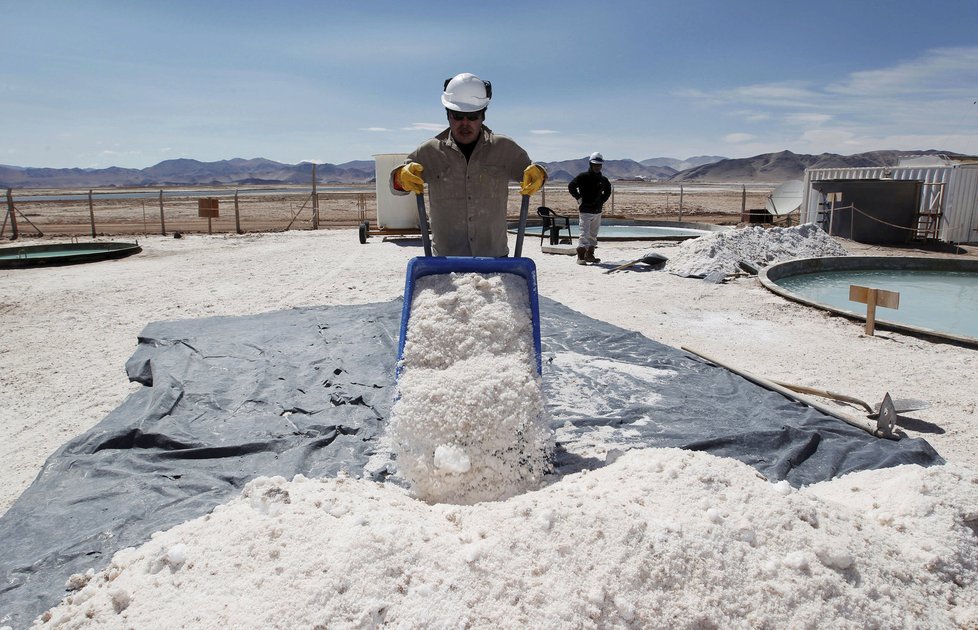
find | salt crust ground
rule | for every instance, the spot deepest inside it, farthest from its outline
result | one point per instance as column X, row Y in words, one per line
column 658, row 538
column 68, row 331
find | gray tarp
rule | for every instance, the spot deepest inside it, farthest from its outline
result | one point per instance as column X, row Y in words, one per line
column 308, row 391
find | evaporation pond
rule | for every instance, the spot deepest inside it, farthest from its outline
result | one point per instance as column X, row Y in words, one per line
column 945, row 301
column 51, row 253
column 628, row 232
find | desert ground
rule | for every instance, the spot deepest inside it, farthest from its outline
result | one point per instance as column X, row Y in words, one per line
column 670, row 538
column 834, row 355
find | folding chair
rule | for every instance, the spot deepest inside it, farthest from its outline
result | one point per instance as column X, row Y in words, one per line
column 553, row 223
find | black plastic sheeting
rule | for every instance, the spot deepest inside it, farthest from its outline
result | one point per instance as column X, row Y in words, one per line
column 308, row 390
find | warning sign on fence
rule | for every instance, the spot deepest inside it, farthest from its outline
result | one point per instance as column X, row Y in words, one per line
column 208, row 207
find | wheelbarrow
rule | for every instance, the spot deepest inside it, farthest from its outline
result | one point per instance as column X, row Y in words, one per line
column 427, row 265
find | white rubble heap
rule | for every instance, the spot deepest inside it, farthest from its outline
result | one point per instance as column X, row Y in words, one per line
column 469, row 422
column 658, row 538
column 755, row 245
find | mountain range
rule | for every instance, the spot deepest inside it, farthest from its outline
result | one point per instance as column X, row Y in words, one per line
column 767, row 167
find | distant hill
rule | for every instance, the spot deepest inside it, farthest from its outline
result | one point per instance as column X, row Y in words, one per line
column 682, row 165
column 785, row 165
column 613, row 169
column 768, row 167
column 187, row 172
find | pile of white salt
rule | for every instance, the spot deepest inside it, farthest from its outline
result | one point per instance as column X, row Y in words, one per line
column 659, row 538
column 469, row 422
column 757, row 246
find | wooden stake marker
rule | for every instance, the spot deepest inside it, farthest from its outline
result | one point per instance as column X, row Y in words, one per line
column 873, row 298
column 209, row 207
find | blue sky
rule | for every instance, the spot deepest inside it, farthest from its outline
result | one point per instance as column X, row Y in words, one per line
column 97, row 84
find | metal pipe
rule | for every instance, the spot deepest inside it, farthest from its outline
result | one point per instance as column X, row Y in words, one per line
column 524, row 210
column 423, row 224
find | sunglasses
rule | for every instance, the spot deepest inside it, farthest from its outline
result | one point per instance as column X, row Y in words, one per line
column 466, row 115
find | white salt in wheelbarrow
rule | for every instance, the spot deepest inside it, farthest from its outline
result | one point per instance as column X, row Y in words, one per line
column 427, row 265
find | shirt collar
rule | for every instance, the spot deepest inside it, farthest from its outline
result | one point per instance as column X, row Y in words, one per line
column 446, row 137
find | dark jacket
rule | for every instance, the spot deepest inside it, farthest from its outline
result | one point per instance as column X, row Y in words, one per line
column 591, row 189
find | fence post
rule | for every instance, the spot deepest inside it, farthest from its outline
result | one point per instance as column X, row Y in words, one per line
column 680, row 202
column 162, row 220
column 832, row 214
column 743, row 202
column 315, row 200
column 91, row 211
column 13, row 214
column 237, row 214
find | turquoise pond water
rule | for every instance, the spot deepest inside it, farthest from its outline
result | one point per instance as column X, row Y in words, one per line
column 625, row 232
column 945, row 301
column 48, row 253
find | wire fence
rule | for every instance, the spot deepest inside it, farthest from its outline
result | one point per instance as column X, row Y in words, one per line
column 162, row 211
column 106, row 213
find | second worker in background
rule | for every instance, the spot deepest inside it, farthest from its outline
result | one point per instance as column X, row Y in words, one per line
column 591, row 189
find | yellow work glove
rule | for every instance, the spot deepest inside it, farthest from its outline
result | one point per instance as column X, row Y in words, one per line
column 409, row 178
column 533, row 178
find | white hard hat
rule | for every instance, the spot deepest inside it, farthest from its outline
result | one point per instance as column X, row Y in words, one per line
column 466, row 93
column 596, row 158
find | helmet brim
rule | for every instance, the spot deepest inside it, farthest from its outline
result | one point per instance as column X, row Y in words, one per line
column 470, row 105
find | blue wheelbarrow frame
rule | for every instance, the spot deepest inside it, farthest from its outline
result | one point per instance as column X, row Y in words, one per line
column 427, row 265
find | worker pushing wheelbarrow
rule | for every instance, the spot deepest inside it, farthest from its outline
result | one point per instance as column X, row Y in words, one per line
column 468, row 169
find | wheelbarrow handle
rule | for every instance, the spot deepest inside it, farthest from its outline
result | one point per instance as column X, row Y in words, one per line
column 524, row 210
column 426, row 240
column 423, row 224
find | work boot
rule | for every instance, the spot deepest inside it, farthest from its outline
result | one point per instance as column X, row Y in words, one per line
column 589, row 255
column 580, row 255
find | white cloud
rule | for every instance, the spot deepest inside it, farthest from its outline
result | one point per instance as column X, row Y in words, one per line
column 940, row 71
column 542, row 132
column 924, row 102
column 424, row 127
column 374, row 129
column 830, row 138
column 790, row 94
column 113, row 154
column 738, row 138
column 784, row 94
column 939, row 75
column 753, row 116
column 808, row 118
column 847, row 142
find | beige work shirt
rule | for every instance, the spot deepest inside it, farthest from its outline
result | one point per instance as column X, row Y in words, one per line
column 467, row 209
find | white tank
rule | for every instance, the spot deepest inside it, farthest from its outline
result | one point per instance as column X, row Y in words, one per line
column 395, row 212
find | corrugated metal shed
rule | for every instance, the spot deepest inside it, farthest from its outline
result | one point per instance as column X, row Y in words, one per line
column 951, row 187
